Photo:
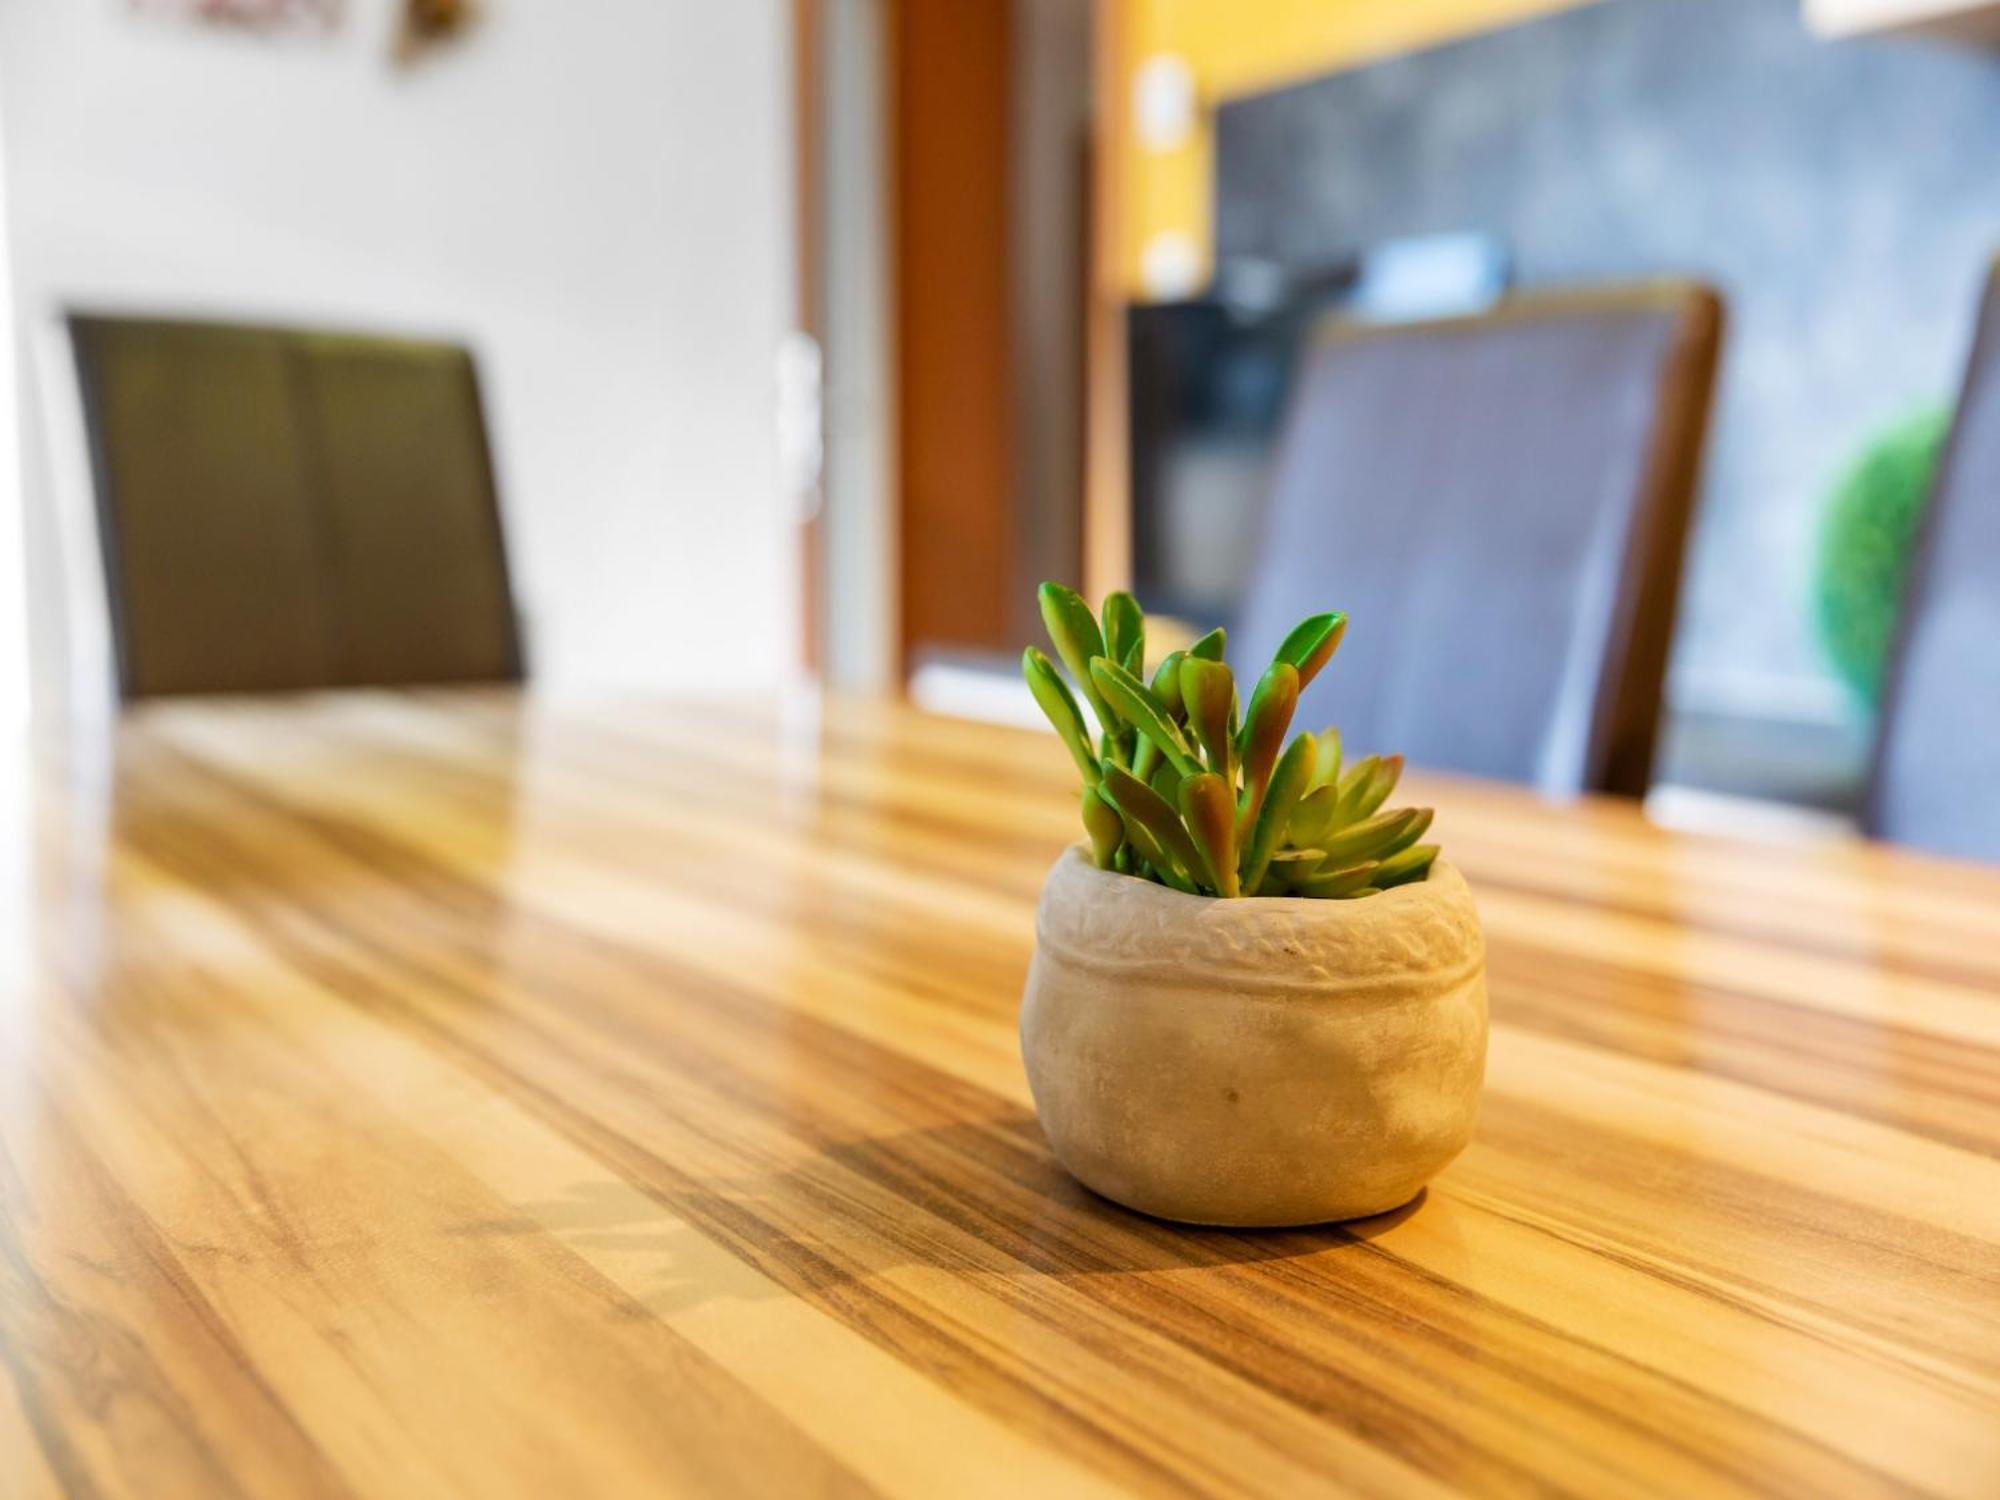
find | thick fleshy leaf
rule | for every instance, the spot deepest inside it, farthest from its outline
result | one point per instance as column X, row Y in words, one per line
column 1331, row 883
column 1156, row 862
column 1354, row 781
column 1135, row 704
column 1073, row 632
column 1166, row 686
column 1419, row 826
column 1293, row 867
column 1125, row 632
column 1208, row 809
column 1145, row 759
column 1185, row 786
column 1366, row 786
column 1326, row 770
column 1312, row 644
column 1208, row 693
column 1146, row 812
column 1287, row 785
column 1053, row 694
column 1411, row 865
column 1381, row 782
column 1263, row 737
column 1209, row 647
column 1312, row 820
column 1367, row 839
column 1105, row 827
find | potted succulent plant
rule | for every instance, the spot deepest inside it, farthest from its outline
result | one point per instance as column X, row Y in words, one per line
column 1257, row 998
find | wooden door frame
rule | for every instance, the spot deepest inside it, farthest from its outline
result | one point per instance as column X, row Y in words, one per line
column 809, row 310
column 950, row 112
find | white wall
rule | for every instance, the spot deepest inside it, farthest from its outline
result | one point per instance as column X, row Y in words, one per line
column 595, row 196
column 863, row 653
column 13, row 574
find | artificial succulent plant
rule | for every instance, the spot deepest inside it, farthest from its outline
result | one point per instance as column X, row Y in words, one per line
column 1184, row 787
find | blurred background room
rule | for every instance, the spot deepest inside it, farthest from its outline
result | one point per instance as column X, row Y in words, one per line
column 826, row 328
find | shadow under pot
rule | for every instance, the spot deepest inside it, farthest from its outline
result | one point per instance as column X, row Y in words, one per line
column 1255, row 1062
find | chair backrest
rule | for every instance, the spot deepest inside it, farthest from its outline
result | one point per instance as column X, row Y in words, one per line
column 1935, row 780
column 1500, row 503
column 283, row 509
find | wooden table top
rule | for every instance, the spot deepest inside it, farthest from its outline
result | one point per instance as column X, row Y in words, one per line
column 436, row 1095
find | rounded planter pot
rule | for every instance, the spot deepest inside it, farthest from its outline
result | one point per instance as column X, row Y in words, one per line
column 1254, row 1063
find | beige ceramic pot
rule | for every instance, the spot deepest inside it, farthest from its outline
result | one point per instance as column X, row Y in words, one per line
column 1254, row 1062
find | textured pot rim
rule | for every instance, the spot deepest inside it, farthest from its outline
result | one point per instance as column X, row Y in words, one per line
column 1276, row 945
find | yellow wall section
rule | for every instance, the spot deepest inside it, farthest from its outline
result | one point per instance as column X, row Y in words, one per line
column 1162, row 198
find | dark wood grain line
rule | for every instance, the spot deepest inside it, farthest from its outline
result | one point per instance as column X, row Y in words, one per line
column 1944, row 1089
column 1704, row 1242
column 922, row 1088
column 65, row 1357
column 310, row 940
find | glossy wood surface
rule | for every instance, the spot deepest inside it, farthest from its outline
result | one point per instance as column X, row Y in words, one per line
column 419, row 1095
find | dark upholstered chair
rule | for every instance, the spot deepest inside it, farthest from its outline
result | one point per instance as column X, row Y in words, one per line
column 285, row 510
column 1500, row 504
column 1936, row 774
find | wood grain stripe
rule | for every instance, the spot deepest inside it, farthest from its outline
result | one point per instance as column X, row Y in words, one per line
column 443, row 1093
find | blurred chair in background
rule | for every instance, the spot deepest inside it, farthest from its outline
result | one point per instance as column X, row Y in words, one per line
column 1936, row 775
column 1501, row 503
column 286, row 510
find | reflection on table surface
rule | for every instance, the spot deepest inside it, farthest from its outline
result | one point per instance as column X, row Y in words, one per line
column 422, row 1093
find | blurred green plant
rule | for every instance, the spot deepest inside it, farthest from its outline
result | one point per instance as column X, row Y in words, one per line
column 1864, row 547
column 1183, row 787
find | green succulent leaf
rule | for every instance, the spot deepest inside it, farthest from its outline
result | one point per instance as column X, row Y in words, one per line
column 1145, row 760
column 1412, row 864
column 1263, row 736
column 1326, row 770
column 1134, row 702
column 1344, row 882
column 1368, row 839
column 1154, row 861
column 1150, row 819
column 1208, row 809
column 1293, row 867
column 1125, row 632
column 1105, row 827
column 1388, row 771
column 1312, row 820
column 1053, row 694
column 1209, row 647
column 1366, row 786
column 1073, row 632
column 1354, row 781
column 1166, row 686
column 1287, row 785
column 1186, row 787
column 1208, row 692
column 1419, row 825
column 1312, row 644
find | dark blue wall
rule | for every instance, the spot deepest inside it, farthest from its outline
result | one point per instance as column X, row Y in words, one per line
column 1844, row 196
